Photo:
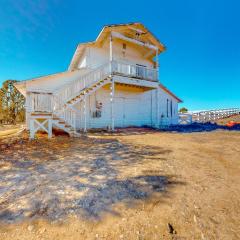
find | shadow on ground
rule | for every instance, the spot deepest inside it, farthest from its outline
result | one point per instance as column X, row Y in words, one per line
column 123, row 131
column 200, row 127
column 84, row 177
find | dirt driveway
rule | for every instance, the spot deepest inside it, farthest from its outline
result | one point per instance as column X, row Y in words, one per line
column 133, row 185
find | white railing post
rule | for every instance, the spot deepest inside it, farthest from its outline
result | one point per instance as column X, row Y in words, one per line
column 85, row 114
column 157, row 65
column 75, row 119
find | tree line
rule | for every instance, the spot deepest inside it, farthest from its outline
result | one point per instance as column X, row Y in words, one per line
column 11, row 104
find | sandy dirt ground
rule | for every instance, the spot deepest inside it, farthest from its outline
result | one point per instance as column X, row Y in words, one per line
column 9, row 130
column 136, row 184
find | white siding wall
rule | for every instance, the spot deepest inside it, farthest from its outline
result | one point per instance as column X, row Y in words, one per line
column 166, row 116
column 132, row 54
column 94, row 57
column 132, row 107
column 53, row 82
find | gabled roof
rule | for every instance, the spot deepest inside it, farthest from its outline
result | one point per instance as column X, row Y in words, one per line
column 170, row 93
column 129, row 29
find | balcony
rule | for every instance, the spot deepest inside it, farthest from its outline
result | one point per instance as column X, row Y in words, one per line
column 134, row 71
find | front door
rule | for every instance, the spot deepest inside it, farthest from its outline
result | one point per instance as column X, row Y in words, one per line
column 131, row 113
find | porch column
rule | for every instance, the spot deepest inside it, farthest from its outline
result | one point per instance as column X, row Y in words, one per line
column 110, row 52
column 157, row 112
column 112, row 88
column 157, row 97
column 85, row 113
column 32, row 130
column 85, row 108
column 50, row 128
column 157, row 64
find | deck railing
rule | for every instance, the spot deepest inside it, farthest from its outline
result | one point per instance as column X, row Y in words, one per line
column 73, row 89
column 134, row 70
column 40, row 102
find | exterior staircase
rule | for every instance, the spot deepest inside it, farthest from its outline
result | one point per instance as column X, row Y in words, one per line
column 58, row 108
column 61, row 124
column 64, row 113
column 67, row 120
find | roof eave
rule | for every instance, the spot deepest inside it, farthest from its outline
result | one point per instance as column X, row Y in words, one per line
column 170, row 93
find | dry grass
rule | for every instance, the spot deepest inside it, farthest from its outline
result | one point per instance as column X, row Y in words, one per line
column 7, row 131
column 224, row 121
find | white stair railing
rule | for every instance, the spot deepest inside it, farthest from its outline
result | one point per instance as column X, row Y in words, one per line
column 69, row 115
column 73, row 89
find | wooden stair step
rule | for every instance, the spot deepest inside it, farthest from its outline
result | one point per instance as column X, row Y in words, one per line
column 88, row 90
column 41, row 114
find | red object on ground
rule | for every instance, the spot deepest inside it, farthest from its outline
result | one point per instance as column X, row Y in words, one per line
column 232, row 123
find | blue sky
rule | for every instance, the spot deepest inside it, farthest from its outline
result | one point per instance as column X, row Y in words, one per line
column 201, row 64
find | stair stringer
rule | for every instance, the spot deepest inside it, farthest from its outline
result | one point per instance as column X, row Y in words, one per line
column 88, row 91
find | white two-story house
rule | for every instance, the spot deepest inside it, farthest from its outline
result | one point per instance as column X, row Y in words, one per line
column 112, row 82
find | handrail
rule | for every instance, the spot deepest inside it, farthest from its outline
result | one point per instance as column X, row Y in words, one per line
column 73, row 89
column 69, row 116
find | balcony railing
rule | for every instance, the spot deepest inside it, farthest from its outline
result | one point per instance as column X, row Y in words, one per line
column 40, row 102
column 135, row 71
